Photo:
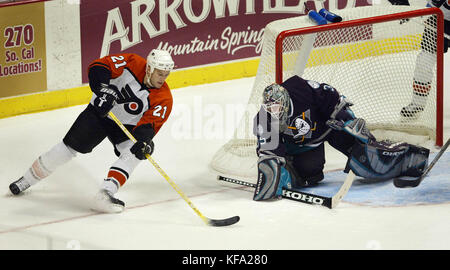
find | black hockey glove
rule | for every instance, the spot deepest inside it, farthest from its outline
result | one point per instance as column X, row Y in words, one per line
column 105, row 100
column 144, row 145
column 355, row 127
column 140, row 149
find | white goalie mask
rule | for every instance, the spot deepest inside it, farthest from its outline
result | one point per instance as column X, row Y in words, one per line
column 160, row 59
column 276, row 101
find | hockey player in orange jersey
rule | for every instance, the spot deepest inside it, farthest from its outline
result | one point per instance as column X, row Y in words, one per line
column 135, row 90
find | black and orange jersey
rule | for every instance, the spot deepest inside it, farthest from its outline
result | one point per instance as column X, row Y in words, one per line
column 139, row 104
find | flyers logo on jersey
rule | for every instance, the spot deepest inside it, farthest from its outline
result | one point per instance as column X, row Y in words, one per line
column 132, row 104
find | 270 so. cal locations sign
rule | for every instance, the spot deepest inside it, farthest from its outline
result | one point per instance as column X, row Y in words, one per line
column 22, row 50
column 22, row 37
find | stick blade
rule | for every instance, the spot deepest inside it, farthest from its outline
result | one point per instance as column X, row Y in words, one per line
column 223, row 222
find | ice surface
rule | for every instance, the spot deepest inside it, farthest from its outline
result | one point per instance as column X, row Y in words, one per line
column 55, row 214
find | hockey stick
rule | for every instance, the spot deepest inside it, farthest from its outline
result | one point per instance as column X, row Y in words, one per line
column 415, row 181
column 208, row 221
column 299, row 196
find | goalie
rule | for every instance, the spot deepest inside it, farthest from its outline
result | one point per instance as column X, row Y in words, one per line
column 294, row 121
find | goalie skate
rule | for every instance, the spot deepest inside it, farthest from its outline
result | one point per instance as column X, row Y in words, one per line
column 106, row 203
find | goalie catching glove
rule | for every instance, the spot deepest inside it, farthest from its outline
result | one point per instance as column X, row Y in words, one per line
column 355, row 127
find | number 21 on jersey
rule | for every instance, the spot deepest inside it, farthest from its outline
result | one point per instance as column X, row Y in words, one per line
column 118, row 61
column 157, row 111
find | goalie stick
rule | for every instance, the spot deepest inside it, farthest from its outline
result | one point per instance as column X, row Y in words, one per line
column 299, row 196
column 415, row 181
column 208, row 221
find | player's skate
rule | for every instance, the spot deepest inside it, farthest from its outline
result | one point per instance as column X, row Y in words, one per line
column 106, row 203
column 419, row 100
column 411, row 111
column 19, row 186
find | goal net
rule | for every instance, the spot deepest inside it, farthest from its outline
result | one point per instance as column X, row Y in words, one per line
column 373, row 57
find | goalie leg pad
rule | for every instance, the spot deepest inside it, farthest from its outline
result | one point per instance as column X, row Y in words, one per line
column 416, row 160
column 272, row 177
column 377, row 161
column 384, row 160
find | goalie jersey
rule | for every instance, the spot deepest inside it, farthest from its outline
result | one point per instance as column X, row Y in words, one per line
column 311, row 105
column 141, row 105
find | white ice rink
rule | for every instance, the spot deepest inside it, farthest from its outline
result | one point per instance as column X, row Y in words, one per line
column 55, row 214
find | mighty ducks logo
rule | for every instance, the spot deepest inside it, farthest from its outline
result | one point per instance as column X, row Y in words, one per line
column 301, row 126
